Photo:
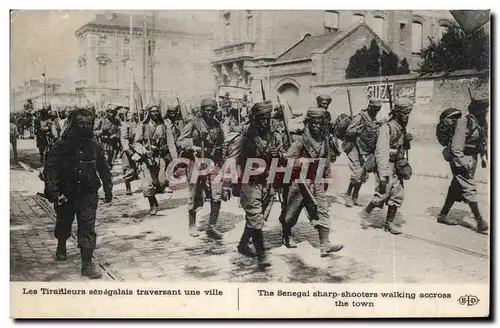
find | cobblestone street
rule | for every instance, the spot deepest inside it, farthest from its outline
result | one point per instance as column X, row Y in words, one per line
column 133, row 246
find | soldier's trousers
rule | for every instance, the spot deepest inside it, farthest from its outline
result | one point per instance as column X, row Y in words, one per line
column 295, row 202
column 256, row 200
column 358, row 173
column 394, row 194
column 13, row 142
column 84, row 207
column 153, row 177
column 462, row 185
column 129, row 167
column 214, row 189
column 41, row 144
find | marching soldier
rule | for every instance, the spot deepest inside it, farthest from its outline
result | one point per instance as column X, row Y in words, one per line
column 351, row 148
column 127, row 133
column 226, row 105
column 153, row 142
column 469, row 141
column 14, row 134
column 43, row 132
column 312, row 144
column 392, row 141
column 204, row 136
column 110, row 134
column 72, row 183
column 323, row 101
column 173, row 119
column 258, row 140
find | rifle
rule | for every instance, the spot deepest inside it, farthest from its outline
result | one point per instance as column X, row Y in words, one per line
column 482, row 146
column 306, row 192
column 349, row 99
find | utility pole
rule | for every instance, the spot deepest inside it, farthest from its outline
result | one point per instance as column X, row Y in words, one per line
column 151, row 48
column 130, row 63
column 44, row 86
column 144, row 54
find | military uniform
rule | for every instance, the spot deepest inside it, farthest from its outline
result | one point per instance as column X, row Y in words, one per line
column 72, row 183
column 14, row 134
column 43, row 131
column 207, row 134
column 257, row 195
column 312, row 148
column 355, row 154
column 153, row 142
column 324, row 101
column 468, row 142
column 173, row 119
column 389, row 149
column 129, row 169
column 110, row 136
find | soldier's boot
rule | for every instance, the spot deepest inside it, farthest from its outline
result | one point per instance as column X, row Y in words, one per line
column 88, row 268
column 443, row 216
column 61, row 254
column 212, row 221
column 365, row 216
column 347, row 197
column 193, row 231
column 355, row 194
column 326, row 247
column 128, row 188
column 287, row 236
column 42, row 158
column 153, row 205
column 244, row 245
column 482, row 225
column 258, row 241
column 389, row 221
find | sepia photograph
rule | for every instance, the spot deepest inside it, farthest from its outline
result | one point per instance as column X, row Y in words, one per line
column 334, row 156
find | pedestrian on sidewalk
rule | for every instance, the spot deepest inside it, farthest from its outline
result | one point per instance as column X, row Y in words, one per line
column 468, row 141
column 14, row 134
column 71, row 184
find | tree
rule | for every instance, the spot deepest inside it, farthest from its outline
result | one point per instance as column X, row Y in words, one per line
column 456, row 51
column 369, row 62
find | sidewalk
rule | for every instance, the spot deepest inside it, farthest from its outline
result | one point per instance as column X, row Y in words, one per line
column 133, row 246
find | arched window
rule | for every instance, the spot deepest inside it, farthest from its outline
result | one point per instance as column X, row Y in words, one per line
column 442, row 31
column 378, row 26
column 331, row 21
column 416, row 37
column 357, row 18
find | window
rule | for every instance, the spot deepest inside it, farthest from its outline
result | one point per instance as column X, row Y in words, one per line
column 378, row 26
column 331, row 21
column 416, row 37
column 357, row 18
column 103, row 72
column 249, row 26
column 402, row 32
column 442, row 31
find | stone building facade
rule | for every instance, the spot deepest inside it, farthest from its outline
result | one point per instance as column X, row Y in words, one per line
column 254, row 46
column 165, row 62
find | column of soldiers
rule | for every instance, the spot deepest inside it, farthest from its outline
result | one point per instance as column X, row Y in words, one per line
column 150, row 142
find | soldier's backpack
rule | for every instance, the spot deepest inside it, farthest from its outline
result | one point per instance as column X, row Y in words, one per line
column 445, row 128
column 340, row 125
column 367, row 139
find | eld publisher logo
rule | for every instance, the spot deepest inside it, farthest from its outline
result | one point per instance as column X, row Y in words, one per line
column 469, row 300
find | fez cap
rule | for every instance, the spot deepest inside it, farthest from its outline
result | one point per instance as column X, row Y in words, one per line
column 480, row 100
column 403, row 105
column 324, row 97
column 450, row 113
column 316, row 112
column 375, row 102
column 171, row 108
column 262, row 107
column 153, row 107
column 208, row 102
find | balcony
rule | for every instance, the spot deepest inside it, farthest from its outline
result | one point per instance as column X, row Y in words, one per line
column 232, row 52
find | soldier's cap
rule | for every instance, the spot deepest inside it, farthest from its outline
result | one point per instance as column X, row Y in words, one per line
column 226, row 94
column 480, row 100
column 320, row 98
column 153, row 107
column 403, row 105
column 450, row 113
column 171, row 108
column 208, row 102
column 263, row 107
column 316, row 112
column 375, row 102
